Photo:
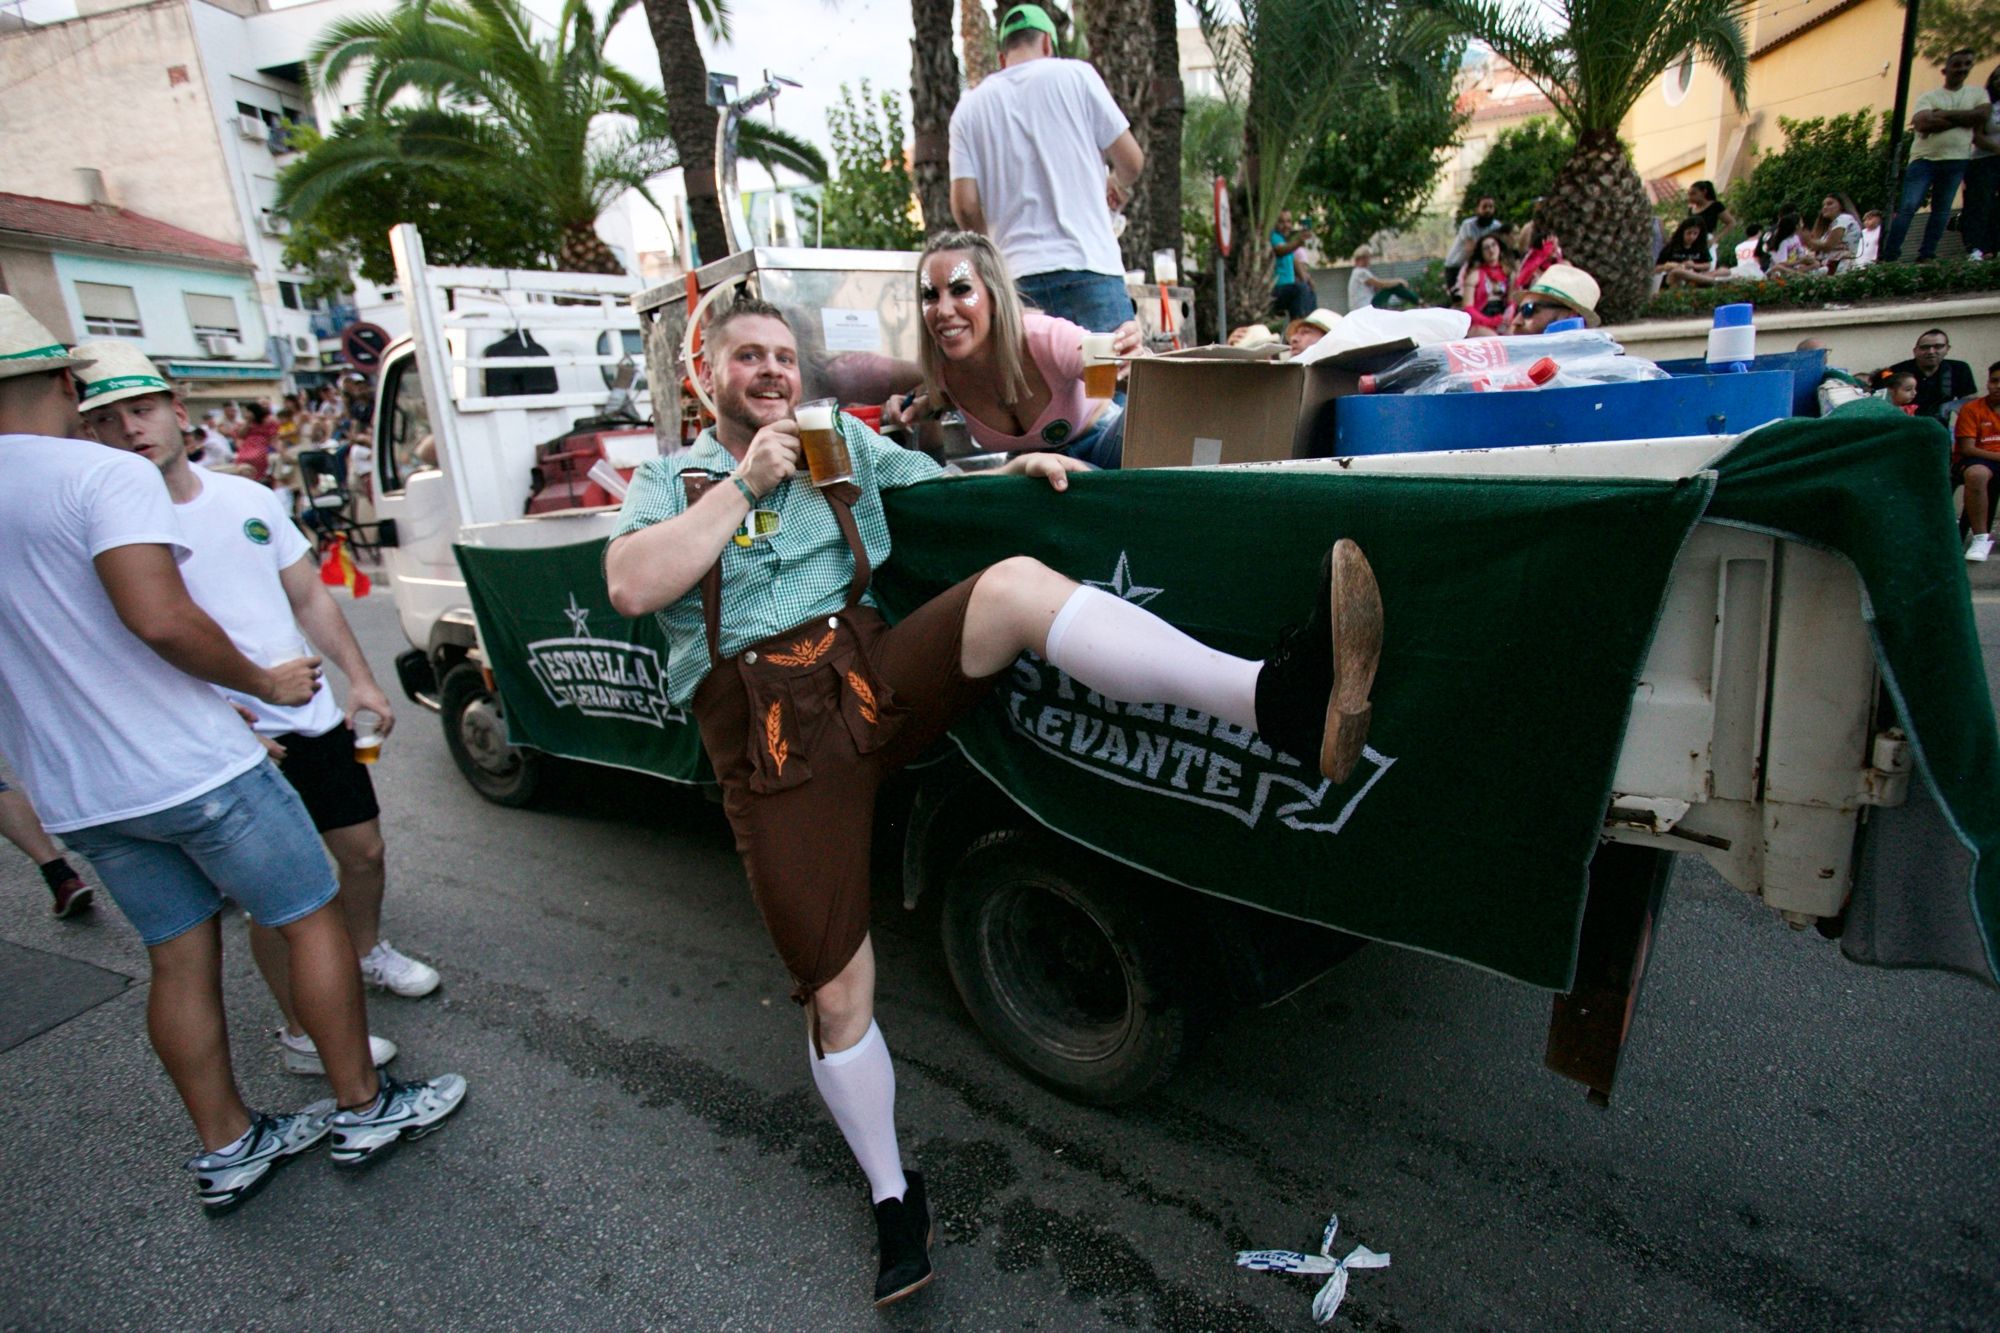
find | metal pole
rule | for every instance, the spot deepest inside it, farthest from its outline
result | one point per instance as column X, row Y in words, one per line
column 1221, row 301
column 1901, row 112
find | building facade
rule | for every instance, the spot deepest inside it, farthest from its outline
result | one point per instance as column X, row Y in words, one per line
column 180, row 112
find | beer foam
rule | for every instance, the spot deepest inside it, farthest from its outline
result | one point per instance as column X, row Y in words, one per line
column 816, row 416
column 1098, row 346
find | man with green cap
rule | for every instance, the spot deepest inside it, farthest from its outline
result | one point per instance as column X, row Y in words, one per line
column 1030, row 151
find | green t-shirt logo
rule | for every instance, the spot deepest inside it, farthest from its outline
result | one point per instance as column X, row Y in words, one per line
column 257, row 530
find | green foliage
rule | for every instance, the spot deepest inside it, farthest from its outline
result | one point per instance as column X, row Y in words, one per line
column 1820, row 156
column 1211, row 146
column 1594, row 59
column 1373, row 169
column 1945, row 26
column 1877, row 282
column 493, row 227
column 1520, row 168
column 463, row 101
column 870, row 202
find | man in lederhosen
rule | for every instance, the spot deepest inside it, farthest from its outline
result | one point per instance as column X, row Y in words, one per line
column 807, row 699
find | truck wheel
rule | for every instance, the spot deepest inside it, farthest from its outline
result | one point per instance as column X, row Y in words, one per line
column 476, row 734
column 1061, row 969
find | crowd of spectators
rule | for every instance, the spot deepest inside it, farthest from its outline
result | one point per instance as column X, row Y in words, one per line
column 270, row 443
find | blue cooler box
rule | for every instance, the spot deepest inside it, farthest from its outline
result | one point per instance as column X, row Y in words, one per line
column 1644, row 410
column 1805, row 368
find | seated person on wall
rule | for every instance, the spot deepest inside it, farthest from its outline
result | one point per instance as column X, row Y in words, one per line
column 1015, row 375
column 1483, row 286
column 1684, row 259
column 1365, row 289
column 1975, row 458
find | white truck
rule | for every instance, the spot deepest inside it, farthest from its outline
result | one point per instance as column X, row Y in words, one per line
column 1754, row 739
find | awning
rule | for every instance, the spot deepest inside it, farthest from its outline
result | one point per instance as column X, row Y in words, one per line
column 222, row 370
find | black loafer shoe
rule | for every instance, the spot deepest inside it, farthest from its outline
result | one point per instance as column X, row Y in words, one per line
column 903, row 1227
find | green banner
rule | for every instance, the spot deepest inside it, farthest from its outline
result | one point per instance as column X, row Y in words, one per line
column 578, row 679
column 1517, row 614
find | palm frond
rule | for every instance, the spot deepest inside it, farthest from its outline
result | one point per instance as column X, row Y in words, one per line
column 770, row 147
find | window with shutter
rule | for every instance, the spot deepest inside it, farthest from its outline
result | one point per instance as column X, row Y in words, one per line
column 108, row 311
column 213, row 315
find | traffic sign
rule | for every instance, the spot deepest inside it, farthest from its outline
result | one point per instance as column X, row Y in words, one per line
column 1222, row 216
column 363, row 345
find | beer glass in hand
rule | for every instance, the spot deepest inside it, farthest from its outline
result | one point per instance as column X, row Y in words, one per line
column 826, row 448
column 1100, row 368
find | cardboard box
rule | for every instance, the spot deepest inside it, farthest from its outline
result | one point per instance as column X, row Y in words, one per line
column 1210, row 405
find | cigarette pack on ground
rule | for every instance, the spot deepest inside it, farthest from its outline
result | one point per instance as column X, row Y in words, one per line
column 1218, row 404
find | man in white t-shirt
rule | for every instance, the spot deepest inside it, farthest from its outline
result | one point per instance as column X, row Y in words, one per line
column 1944, row 122
column 1029, row 150
column 254, row 572
column 149, row 774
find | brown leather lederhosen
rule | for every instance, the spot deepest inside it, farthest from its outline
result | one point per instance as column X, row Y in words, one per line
column 802, row 727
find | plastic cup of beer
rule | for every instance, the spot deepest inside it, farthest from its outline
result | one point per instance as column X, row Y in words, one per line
column 826, row 448
column 367, row 737
column 1100, row 367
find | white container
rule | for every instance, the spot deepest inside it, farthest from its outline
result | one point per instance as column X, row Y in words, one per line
column 1732, row 343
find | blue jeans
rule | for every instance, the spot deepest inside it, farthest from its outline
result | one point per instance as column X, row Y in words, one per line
column 250, row 838
column 1924, row 176
column 1980, row 223
column 1102, row 445
column 1294, row 300
column 1097, row 301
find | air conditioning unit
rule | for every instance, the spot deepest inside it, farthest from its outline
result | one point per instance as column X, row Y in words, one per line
column 253, row 128
column 273, row 224
column 305, row 345
column 221, row 346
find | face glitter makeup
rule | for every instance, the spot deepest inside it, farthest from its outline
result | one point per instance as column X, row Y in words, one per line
column 925, row 290
column 961, row 270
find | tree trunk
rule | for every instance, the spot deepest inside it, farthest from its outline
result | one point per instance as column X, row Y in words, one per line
column 1600, row 209
column 1250, row 260
column 1163, row 146
column 584, row 251
column 975, row 38
column 1121, row 46
column 933, row 94
column 691, row 120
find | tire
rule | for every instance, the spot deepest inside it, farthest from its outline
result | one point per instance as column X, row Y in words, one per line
column 476, row 734
column 1061, row 969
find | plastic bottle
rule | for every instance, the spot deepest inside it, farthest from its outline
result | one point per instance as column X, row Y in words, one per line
column 1477, row 356
column 1607, row 370
column 1538, row 373
column 1732, row 342
column 1569, row 325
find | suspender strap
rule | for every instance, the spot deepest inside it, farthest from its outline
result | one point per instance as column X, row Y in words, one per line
column 841, row 496
column 695, row 485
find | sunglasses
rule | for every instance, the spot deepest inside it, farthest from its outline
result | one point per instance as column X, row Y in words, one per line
column 1529, row 309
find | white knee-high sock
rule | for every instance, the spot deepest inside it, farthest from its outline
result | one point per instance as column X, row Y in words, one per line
column 1130, row 654
column 859, row 1087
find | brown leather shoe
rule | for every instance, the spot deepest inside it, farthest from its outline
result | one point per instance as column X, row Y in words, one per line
column 1357, row 651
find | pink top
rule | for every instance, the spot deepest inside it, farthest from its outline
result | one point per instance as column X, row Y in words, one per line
column 1057, row 347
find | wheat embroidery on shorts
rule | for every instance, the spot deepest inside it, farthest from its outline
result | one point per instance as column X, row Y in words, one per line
column 774, row 738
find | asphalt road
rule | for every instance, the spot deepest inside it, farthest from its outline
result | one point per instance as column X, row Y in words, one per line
column 1796, row 1142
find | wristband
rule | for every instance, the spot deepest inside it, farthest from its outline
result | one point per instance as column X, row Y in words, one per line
column 749, row 496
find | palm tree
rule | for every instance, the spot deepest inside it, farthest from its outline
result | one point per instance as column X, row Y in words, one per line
column 1593, row 59
column 495, row 103
column 933, row 96
column 1291, row 67
column 690, row 119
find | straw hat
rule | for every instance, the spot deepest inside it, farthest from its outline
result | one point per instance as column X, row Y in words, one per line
column 26, row 346
column 117, row 371
column 1321, row 319
column 1571, row 286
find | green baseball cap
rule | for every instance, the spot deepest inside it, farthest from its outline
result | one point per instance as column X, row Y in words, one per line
column 1023, row 17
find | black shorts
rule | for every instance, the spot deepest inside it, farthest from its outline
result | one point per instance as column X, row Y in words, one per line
column 335, row 786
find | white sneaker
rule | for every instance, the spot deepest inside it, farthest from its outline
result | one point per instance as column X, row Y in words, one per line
column 225, row 1179
column 1982, row 546
column 397, row 972
column 302, row 1057
column 400, row 1111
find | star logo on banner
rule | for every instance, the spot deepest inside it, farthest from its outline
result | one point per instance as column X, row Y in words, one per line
column 579, row 618
column 1121, row 585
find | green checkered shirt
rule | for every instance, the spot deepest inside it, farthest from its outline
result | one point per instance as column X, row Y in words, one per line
column 798, row 573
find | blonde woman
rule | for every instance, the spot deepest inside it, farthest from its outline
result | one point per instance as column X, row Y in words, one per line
column 1015, row 375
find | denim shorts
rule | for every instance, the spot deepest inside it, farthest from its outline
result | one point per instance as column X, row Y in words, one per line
column 1102, row 444
column 1097, row 301
column 250, row 838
